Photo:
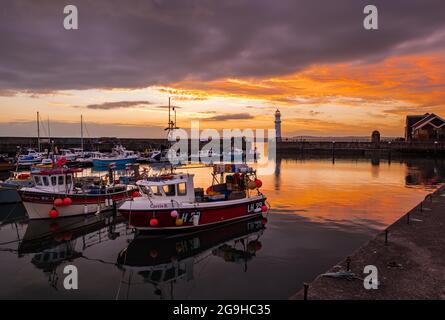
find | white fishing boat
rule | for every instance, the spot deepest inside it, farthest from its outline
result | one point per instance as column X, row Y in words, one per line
column 171, row 202
column 68, row 154
column 58, row 193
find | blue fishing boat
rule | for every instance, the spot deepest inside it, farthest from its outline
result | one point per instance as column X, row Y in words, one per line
column 119, row 157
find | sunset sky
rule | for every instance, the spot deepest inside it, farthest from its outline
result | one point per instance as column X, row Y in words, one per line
column 227, row 63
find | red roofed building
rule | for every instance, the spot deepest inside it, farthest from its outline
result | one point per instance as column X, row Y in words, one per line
column 427, row 127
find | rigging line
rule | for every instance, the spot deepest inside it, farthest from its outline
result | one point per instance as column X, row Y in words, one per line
column 9, row 242
column 10, row 212
column 125, row 259
column 98, row 260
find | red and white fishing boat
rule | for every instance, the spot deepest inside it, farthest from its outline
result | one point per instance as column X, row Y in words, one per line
column 58, row 192
column 171, row 202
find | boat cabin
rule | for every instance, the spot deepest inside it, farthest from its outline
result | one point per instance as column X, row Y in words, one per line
column 54, row 180
column 178, row 187
column 230, row 182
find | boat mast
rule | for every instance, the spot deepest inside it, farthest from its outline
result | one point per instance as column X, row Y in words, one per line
column 38, row 131
column 170, row 122
column 81, row 133
column 49, row 131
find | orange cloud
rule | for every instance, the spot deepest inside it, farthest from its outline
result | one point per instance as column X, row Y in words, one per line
column 418, row 81
column 358, row 96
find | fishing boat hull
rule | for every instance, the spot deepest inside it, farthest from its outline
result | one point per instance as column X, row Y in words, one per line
column 117, row 162
column 190, row 216
column 38, row 205
column 9, row 195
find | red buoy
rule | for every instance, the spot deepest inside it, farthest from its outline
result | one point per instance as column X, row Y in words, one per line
column 154, row 253
column 154, row 222
column 264, row 209
column 53, row 213
column 58, row 202
column 136, row 194
column 67, row 201
column 264, row 221
column 53, row 227
column 258, row 183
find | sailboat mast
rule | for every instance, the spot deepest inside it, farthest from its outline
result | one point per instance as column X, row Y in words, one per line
column 81, row 133
column 38, row 132
column 49, row 131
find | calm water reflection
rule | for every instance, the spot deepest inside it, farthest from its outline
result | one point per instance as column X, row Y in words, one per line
column 322, row 211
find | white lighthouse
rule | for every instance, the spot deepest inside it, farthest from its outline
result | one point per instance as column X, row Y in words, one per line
column 278, row 124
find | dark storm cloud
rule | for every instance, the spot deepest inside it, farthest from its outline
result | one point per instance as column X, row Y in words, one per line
column 115, row 105
column 235, row 116
column 139, row 43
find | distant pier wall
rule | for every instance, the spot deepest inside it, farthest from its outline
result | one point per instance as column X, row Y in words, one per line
column 361, row 148
column 356, row 148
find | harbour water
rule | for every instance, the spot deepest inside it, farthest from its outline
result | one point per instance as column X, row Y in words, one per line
column 322, row 210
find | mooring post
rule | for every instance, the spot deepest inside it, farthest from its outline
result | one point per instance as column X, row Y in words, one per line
column 386, row 237
column 306, row 289
column 407, row 218
column 348, row 264
column 421, row 206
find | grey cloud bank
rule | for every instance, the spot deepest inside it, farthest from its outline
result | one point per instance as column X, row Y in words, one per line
column 132, row 44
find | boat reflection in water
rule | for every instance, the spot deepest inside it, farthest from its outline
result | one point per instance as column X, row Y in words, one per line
column 164, row 261
column 53, row 242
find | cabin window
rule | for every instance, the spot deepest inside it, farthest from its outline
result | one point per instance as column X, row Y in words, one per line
column 169, row 190
column 145, row 190
column 38, row 180
column 46, row 181
column 182, row 189
column 54, row 181
column 61, row 181
column 156, row 191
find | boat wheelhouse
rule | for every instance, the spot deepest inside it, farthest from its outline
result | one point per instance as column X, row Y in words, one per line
column 171, row 201
column 60, row 193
